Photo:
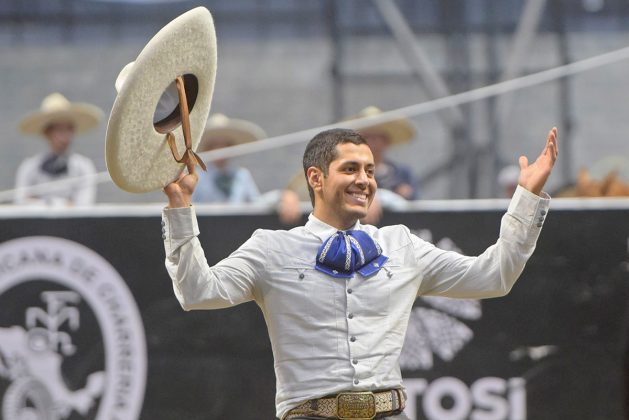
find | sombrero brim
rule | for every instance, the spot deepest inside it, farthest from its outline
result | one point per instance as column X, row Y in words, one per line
column 238, row 135
column 83, row 116
column 138, row 157
column 399, row 131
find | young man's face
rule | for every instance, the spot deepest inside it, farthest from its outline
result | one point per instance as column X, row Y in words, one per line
column 344, row 195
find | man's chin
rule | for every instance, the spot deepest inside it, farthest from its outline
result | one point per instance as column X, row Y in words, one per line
column 359, row 212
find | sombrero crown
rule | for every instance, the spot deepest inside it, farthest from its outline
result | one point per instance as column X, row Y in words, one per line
column 237, row 130
column 398, row 130
column 56, row 108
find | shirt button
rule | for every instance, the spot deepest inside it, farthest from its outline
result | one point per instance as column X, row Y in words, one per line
column 163, row 236
column 163, row 223
column 350, row 316
column 355, row 361
column 352, row 339
column 301, row 275
column 356, row 381
column 349, row 291
column 543, row 212
column 539, row 224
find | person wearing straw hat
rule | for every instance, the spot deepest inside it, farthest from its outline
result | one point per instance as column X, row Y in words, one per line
column 224, row 182
column 336, row 294
column 381, row 137
column 58, row 120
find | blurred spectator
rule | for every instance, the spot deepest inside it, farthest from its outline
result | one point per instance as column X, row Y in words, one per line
column 390, row 175
column 508, row 180
column 395, row 181
column 58, row 120
column 224, row 182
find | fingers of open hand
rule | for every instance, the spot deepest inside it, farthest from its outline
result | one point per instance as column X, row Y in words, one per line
column 553, row 148
column 550, row 152
column 553, row 151
column 551, row 144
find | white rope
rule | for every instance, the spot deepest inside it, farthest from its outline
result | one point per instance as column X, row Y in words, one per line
column 473, row 95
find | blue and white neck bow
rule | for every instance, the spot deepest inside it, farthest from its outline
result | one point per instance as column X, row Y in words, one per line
column 347, row 252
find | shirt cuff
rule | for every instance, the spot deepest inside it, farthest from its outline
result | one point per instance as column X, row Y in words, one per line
column 530, row 210
column 179, row 225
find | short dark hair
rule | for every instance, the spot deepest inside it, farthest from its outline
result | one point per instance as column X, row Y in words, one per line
column 321, row 150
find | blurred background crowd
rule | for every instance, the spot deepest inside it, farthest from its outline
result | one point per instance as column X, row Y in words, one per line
column 286, row 66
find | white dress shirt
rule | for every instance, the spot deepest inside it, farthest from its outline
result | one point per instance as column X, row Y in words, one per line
column 333, row 334
column 80, row 192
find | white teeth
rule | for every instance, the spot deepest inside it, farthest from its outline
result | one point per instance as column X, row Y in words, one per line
column 359, row 196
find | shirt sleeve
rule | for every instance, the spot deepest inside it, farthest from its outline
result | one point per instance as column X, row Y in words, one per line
column 495, row 271
column 195, row 283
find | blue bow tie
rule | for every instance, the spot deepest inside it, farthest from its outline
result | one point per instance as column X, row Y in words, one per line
column 350, row 251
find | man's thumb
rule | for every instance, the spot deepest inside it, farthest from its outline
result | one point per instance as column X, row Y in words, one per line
column 524, row 162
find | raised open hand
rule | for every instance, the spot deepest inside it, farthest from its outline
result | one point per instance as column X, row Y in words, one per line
column 534, row 176
column 179, row 192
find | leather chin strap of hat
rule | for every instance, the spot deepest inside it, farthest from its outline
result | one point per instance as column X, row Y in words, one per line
column 189, row 157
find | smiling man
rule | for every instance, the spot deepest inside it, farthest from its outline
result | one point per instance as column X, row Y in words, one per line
column 337, row 294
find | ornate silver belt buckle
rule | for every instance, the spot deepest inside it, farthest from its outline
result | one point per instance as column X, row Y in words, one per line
column 355, row 406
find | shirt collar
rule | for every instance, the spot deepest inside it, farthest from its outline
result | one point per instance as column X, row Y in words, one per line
column 321, row 229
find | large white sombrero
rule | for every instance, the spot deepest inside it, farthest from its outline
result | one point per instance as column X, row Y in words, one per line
column 56, row 108
column 236, row 130
column 399, row 130
column 146, row 108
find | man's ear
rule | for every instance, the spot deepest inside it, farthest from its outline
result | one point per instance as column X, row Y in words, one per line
column 315, row 177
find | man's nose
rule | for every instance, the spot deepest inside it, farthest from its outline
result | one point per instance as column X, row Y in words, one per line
column 361, row 177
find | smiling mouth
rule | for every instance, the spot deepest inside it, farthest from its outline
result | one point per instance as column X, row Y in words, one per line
column 359, row 197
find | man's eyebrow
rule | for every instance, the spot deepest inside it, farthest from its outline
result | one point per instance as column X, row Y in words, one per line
column 355, row 162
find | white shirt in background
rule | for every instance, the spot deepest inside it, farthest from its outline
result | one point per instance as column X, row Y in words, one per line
column 80, row 192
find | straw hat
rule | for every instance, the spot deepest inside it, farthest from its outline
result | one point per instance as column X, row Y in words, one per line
column 56, row 108
column 398, row 130
column 237, row 131
column 146, row 108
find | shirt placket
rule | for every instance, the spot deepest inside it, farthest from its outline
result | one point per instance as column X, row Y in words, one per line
column 354, row 333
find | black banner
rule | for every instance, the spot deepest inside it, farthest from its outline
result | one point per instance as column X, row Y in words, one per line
column 90, row 328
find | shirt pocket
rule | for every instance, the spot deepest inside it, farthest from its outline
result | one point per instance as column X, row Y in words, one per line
column 300, row 309
column 374, row 293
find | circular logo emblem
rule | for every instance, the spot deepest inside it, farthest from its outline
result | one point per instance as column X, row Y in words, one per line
column 72, row 343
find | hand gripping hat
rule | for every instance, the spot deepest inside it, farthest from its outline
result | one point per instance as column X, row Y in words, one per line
column 162, row 105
